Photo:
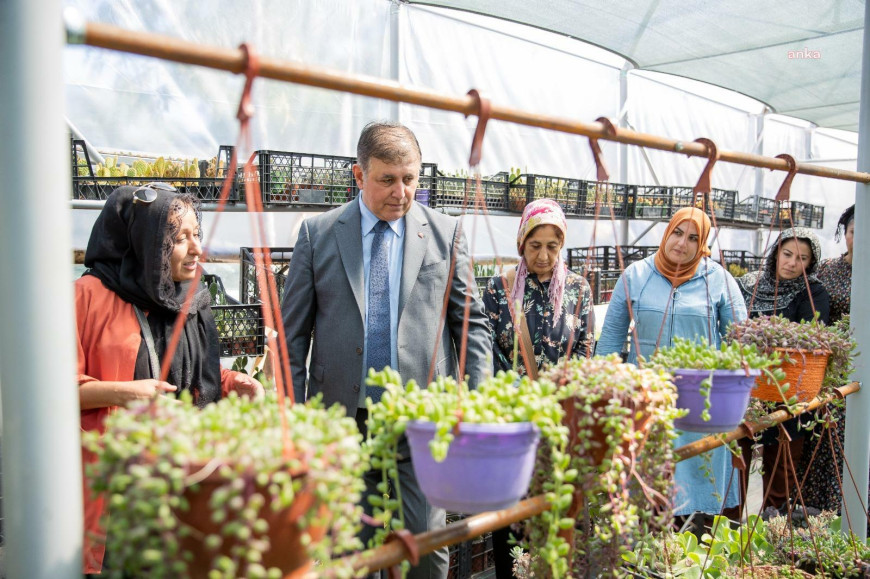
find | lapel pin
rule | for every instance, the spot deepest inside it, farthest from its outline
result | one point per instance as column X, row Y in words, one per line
column 420, row 234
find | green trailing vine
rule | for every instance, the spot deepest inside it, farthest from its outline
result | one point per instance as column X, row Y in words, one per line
column 621, row 454
column 731, row 355
column 155, row 454
column 505, row 398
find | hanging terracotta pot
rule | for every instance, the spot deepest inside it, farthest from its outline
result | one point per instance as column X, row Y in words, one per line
column 488, row 466
column 597, row 439
column 287, row 550
column 804, row 374
column 729, row 398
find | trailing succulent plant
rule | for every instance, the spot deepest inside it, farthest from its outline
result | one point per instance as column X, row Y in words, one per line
column 770, row 332
column 687, row 354
column 505, row 398
column 155, row 456
column 622, row 435
column 701, row 356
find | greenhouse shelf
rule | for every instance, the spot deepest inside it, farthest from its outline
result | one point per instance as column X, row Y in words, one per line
column 304, row 179
column 460, row 192
column 526, row 188
column 87, row 186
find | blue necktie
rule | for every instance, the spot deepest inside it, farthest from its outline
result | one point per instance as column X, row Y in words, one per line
column 378, row 350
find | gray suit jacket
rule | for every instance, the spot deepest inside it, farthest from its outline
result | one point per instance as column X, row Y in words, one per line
column 324, row 294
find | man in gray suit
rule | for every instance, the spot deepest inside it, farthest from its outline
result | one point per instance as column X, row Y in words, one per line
column 369, row 279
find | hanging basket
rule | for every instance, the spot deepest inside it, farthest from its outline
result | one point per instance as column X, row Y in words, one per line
column 804, row 375
column 729, row 398
column 287, row 549
column 488, row 466
column 598, row 448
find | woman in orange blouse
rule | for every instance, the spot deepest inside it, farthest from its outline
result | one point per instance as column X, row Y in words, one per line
column 142, row 256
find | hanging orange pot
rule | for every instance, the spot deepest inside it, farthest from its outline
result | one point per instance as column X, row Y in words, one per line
column 804, row 373
column 287, row 549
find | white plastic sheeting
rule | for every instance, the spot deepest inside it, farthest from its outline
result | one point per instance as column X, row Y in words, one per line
column 131, row 103
column 802, row 57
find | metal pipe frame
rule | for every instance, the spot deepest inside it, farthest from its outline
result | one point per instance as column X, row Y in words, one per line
column 231, row 60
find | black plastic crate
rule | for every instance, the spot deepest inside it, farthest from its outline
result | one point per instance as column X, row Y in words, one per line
column 602, row 283
column 526, row 188
column 305, row 179
column 746, row 211
column 426, row 188
column 617, row 197
column 742, row 258
column 469, row 558
column 603, row 257
column 249, row 289
column 771, row 212
column 808, row 215
column 240, row 329
column 452, row 192
column 652, row 202
column 88, row 186
column 721, row 202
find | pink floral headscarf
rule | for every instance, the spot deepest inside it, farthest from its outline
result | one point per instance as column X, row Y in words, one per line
column 537, row 213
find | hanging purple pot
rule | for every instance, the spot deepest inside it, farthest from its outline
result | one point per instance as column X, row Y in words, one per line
column 729, row 398
column 488, row 466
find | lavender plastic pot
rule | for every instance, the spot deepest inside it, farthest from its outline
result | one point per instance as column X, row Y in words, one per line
column 729, row 398
column 488, row 466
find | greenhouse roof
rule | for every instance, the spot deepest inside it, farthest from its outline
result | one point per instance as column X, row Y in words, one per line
column 800, row 58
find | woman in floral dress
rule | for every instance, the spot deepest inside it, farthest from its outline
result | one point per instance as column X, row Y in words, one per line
column 821, row 488
column 556, row 304
column 547, row 291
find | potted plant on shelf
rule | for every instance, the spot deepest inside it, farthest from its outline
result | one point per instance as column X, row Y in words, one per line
column 620, row 419
column 222, row 491
column 813, row 355
column 713, row 384
column 446, row 422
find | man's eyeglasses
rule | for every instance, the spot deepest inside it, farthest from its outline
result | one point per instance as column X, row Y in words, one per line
column 147, row 193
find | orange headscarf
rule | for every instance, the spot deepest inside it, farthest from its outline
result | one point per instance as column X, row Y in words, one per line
column 680, row 273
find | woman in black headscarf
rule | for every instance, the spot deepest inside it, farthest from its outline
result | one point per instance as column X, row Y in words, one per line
column 780, row 288
column 142, row 256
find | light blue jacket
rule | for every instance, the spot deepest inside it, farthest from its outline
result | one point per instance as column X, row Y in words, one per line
column 704, row 306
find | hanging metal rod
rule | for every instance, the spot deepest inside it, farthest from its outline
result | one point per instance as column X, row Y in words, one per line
column 233, row 60
column 394, row 553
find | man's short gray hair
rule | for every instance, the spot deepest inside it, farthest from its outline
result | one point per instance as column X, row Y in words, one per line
column 387, row 141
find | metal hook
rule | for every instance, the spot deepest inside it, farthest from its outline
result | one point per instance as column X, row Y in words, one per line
column 784, row 193
column 252, row 69
column 602, row 174
column 704, row 187
column 482, row 110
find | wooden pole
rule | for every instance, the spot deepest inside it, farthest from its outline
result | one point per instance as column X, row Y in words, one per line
column 393, row 553
column 717, row 440
column 233, row 60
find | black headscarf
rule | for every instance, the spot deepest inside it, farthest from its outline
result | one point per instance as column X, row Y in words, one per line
column 129, row 251
column 773, row 294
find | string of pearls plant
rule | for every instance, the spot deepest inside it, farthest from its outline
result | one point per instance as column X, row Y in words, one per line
column 156, row 455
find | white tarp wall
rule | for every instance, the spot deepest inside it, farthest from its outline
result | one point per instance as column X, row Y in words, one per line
column 130, row 103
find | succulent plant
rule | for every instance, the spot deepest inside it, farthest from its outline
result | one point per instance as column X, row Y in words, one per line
column 505, row 398
column 625, row 477
column 770, row 332
column 155, row 454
